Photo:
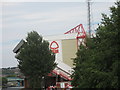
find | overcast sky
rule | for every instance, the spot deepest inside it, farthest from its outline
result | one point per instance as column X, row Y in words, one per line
column 47, row 18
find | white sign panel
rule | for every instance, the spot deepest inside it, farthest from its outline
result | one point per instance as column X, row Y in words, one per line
column 56, row 48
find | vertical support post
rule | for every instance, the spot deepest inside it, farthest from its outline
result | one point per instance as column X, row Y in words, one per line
column 26, row 83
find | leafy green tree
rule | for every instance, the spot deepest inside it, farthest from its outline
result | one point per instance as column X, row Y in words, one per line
column 0, row 82
column 97, row 64
column 7, row 72
column 4, row 81
column 35, row 59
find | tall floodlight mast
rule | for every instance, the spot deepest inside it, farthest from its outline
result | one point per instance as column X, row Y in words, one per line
column 89, row 17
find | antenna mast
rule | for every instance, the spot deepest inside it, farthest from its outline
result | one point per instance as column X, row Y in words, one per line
column 89, row 18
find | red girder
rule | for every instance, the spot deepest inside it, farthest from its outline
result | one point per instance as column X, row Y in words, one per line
column 78, row 29
column 60, row 73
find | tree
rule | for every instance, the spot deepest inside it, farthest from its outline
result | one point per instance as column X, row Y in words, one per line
column 4, row 81
column 35, row 59
column 97, row 65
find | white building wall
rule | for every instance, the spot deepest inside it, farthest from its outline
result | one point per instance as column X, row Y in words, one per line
column 58, row 56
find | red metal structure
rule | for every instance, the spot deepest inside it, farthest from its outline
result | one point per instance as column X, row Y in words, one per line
column 81, row 34
column 61, row 74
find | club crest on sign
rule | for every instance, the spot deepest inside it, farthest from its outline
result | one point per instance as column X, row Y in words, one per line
column 54, row 47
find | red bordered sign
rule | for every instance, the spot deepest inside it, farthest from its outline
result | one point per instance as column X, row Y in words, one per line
column 54, row 47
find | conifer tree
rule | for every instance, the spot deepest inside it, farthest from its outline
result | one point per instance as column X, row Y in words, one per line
column 35, row 59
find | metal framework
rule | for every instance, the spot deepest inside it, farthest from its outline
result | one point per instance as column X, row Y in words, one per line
column 89, row 17
column 81, row 34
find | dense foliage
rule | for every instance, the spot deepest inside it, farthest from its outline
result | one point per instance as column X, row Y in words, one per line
column 35, row 59
column 97, row 64
column 7, row 72
column 4, row 81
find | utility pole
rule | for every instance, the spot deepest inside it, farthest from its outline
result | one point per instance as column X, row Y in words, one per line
column 89, row 17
